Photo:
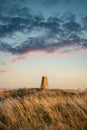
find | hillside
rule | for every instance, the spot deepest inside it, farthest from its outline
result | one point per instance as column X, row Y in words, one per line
column 35, row 109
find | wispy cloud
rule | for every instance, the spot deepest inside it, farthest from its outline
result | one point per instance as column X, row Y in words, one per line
column 3, row 63
column 18, row 59
column 2, row 71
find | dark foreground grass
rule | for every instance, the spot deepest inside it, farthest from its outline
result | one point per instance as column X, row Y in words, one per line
column 35, row 109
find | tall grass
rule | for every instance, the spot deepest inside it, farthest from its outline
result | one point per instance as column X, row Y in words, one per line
column 34, row 109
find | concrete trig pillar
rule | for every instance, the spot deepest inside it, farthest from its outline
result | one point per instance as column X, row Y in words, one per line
column 44, row 82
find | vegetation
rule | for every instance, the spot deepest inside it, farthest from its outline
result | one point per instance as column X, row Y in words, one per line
column 35, row 109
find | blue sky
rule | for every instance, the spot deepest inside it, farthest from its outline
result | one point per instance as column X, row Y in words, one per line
column 43, row 37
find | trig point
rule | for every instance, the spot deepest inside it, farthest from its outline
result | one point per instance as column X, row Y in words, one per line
column 44, row 82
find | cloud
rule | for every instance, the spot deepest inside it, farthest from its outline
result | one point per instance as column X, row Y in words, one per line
column 21, row 58
column 72, row 26
column 21, row 31
column 85, row 23
column 53, row 2
column 49, row 2
column 3, row 63
column 2, row 71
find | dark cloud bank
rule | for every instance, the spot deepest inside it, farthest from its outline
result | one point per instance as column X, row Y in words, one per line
column 65, row 32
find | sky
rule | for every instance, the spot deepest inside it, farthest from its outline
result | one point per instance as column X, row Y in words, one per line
column 43, row 37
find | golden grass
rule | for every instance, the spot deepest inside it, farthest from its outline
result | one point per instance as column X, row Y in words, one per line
column 34, row 109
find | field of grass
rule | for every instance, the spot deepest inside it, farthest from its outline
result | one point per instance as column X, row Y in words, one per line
column 35, row 109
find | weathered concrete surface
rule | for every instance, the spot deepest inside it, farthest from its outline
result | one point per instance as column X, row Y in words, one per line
column 44, row 83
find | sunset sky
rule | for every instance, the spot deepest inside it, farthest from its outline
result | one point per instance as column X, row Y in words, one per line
column 43, row 37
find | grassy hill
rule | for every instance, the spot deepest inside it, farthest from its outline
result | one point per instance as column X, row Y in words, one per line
column 35, row 109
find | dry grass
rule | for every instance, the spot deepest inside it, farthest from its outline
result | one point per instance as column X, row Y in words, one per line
column 34, row 109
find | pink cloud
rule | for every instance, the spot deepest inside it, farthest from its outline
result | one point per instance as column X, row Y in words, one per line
column 65, row 53
column 56, row 53
column 2, row 71
column 21, row 58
